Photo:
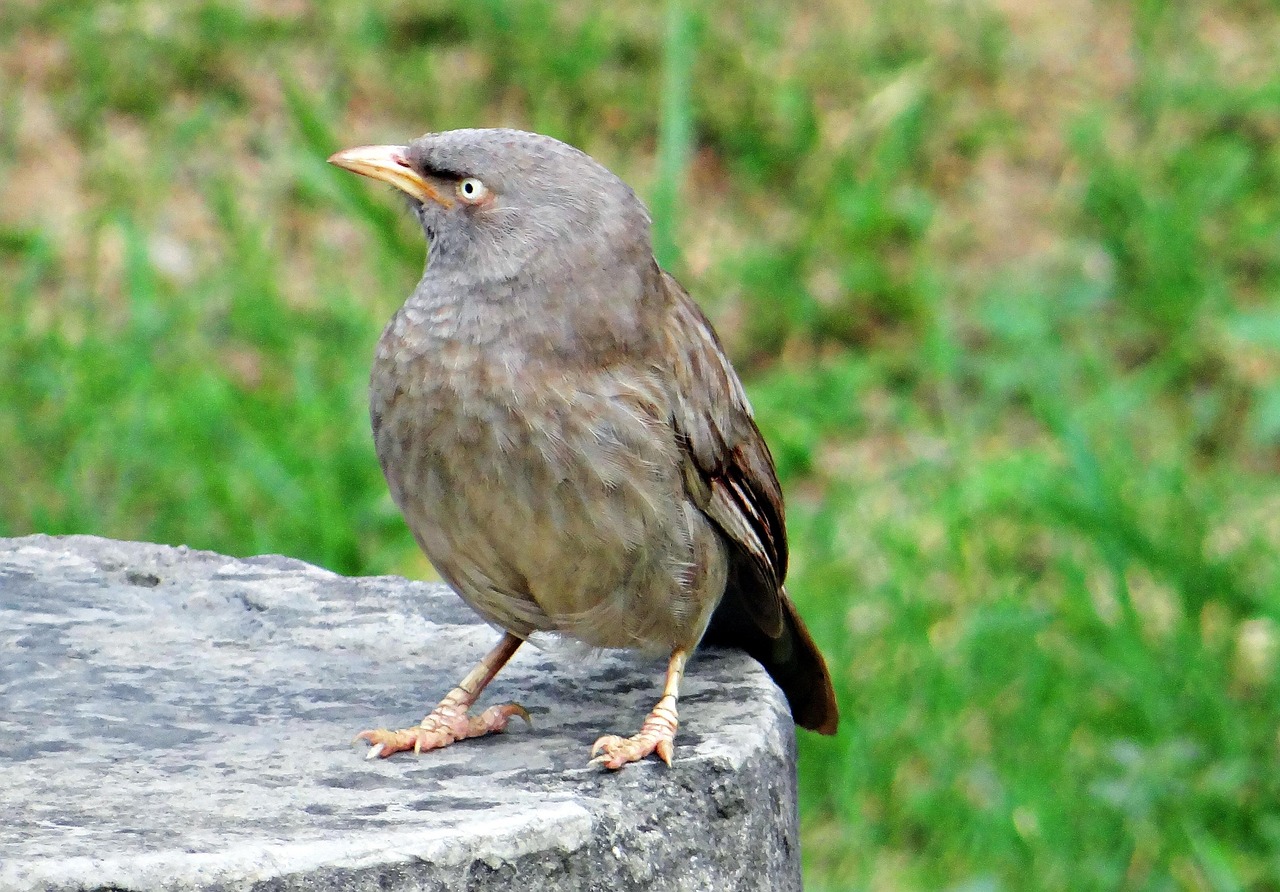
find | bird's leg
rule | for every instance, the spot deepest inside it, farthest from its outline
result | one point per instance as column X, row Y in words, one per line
column 449, row 721
column 658, row 732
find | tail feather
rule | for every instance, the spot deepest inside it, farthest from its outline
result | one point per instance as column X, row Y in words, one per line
column 792, row 660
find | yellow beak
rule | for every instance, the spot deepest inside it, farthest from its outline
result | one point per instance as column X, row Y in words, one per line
column 391, row 165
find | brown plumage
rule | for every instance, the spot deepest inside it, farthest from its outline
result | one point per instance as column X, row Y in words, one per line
column 567, row 439
column 730, row 458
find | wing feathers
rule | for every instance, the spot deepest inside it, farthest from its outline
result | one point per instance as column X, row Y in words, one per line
column 729, row 456
column 730, row 476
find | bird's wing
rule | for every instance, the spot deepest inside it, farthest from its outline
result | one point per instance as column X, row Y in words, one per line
column 729, row 472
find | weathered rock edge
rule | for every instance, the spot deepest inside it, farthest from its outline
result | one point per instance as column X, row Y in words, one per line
column 177, row 719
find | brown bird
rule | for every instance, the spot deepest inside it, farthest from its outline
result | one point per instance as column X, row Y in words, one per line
column 571, row 448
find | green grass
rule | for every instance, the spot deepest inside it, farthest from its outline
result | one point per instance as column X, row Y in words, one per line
column 1004, row 283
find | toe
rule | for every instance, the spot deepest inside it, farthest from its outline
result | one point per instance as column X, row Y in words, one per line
column 613, row 752
column 495, row 718
column 607, row 742
column 383, row 743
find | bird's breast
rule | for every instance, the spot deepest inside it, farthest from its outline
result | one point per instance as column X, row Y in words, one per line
column 442, row 387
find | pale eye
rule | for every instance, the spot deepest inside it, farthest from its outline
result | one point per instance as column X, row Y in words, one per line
column 472, row 191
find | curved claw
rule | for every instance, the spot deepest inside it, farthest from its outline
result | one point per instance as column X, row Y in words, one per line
column 605, row 741
column 666, row 751
column 613, row 752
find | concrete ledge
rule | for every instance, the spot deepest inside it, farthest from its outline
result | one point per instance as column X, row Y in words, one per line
column 177, row 719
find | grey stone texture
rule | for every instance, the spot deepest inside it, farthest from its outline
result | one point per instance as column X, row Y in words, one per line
column 177, row 719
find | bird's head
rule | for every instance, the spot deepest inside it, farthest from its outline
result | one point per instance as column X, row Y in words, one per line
column 498, row 203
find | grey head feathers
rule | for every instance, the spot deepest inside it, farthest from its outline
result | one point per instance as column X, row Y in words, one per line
column 550, row 206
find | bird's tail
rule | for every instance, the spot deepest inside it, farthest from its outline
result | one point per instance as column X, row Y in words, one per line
column 792, row 660
column 798, row 668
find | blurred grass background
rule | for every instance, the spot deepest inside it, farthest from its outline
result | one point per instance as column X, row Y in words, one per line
column 1003, row 279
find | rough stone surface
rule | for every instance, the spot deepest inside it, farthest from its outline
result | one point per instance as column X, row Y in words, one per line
column 176, row 719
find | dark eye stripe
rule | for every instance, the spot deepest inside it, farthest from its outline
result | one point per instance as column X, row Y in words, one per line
column 443, row 173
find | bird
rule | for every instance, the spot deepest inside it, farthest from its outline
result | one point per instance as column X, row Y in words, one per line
column 560, row 426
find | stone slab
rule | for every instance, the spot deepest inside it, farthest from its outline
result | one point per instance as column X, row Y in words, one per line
column 177, row 719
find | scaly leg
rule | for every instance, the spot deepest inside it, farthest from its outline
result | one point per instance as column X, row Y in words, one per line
column 449, row 721
column 658, row 732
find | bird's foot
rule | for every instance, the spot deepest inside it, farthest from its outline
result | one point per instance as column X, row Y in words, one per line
column 446, row 723
column 657, row 735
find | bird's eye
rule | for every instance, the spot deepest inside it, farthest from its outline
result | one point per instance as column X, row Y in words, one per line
column 472, row 191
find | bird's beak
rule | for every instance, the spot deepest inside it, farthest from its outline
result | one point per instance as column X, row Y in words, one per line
column 391, row 165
